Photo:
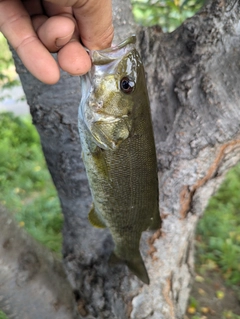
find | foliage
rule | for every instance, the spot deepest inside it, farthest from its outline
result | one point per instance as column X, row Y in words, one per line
column 218, row 232
column 7, row 70
column 26, row 187
column 169, row 14
column 2, row 315
column 228, row 314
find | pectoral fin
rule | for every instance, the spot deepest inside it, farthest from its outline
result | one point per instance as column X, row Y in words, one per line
column 95, row 220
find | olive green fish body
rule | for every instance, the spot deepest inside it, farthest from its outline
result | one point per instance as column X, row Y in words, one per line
column 119, row 152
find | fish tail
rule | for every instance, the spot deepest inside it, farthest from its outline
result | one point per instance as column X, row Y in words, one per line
column 136, row 265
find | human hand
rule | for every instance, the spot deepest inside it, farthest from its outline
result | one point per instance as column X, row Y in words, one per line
column 35, row 28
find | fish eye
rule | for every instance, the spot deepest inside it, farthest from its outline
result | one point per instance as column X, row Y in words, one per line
column 127, row 85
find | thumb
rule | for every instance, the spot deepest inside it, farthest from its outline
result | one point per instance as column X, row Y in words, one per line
column 94, row 21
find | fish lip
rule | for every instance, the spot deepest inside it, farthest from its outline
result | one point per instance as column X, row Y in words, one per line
column 130, row 40
column 86, row 90
column 106, row 56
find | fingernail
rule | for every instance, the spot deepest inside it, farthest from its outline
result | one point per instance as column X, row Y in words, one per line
column 62, row 41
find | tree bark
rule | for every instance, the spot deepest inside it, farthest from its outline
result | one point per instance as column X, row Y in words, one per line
column 32, row 281
column 193, row 77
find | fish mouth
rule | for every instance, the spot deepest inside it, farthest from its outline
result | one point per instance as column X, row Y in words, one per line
column 102, row 57
column 86, row 86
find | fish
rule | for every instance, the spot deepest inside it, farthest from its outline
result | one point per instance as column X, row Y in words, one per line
column 118, row 150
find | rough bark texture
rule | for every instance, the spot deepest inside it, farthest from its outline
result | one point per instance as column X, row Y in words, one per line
column 193, row 78
column 32, row 281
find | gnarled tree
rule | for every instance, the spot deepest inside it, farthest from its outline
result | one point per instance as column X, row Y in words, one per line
column 193, row 76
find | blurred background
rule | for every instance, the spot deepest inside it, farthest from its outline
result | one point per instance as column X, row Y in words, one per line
column 26, row 188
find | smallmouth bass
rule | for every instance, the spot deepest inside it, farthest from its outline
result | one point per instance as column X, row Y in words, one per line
column 118, row 150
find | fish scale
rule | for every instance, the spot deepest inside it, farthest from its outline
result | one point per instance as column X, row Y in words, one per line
column 118, row 150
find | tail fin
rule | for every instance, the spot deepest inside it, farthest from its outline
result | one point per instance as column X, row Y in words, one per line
column 136, row 265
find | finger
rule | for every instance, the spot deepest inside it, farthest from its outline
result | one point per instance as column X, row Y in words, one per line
column 94, row 20
column 74, row 59
column 53, row 9
column 33, row 7
column 16, row 26
column 38, row 21
column 55, row 31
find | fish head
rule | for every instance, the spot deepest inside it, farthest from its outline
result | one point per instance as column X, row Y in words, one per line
column 109, row 94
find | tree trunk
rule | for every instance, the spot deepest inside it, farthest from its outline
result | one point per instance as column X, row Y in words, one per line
column 193, row 76
column 32, row 281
